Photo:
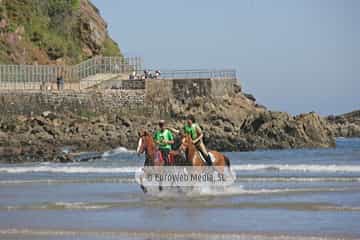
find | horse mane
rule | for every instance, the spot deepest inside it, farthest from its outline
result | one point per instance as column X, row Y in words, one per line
column 149, row 142
column 191, row 145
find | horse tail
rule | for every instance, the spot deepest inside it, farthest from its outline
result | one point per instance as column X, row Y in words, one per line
column 227, row 161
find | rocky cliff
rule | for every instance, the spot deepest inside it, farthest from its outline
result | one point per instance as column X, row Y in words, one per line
column 52, row 32
column 238, row 123
column 37, row 126
column 230, row 123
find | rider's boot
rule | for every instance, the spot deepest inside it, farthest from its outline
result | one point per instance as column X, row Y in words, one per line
column 208, row 160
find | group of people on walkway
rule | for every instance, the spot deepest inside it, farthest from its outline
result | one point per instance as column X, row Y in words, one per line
column 147, row 74
column 164, row 139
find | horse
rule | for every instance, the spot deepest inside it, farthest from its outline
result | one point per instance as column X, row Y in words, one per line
column 147, row 145
column 153, row 157
column 220, row 161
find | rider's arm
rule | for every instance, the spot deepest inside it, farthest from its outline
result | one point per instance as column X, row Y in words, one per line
column 170, row 138
column 199, row 133
column 157, row 142
column 169, row 141
column 174, row 130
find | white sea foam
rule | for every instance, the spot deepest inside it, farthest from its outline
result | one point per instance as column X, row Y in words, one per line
column 298, row 179
column 59, row 206
column 116, row 151
column 79, row 205
column 240, row 190
column 68, row 181
column 131, row 179
column 297, row 167
column 141, row 234
column 239, row 167
column 69, row 169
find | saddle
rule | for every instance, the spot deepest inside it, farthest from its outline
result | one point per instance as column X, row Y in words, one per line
column 159, row 158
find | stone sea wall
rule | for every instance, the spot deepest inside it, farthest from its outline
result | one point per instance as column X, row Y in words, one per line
column 151, row 97
column 186, row 90
column 33, row 103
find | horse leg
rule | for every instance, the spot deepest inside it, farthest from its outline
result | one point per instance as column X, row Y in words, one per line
column 143, row 188
column 222, row 164
column 160, row 182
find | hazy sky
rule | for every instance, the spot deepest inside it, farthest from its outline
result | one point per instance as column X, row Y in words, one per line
column 295, row 56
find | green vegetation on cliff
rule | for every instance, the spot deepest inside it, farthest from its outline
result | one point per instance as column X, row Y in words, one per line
column 65, row 31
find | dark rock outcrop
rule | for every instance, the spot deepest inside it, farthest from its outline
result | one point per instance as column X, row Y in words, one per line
column 345, row 125
column 237, row 125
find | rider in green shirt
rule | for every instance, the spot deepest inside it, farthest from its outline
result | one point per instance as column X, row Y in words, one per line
column 194, row 130
column 163, row 139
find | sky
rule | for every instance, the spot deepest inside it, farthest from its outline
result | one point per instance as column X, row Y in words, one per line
column 292, row 55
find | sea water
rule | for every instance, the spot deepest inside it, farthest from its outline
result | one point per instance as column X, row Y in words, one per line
column 278, row 194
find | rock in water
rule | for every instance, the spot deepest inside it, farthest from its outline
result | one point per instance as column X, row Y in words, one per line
column 345, row 125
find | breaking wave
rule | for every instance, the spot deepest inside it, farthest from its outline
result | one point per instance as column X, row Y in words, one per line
column 117, row 151
column 69, row 169
column 118, row 234
column 239, row 167
column 297, row 167
column 307, row 206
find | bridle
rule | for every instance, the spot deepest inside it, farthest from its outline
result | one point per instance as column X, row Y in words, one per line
column 141, row 144
column 184, row 147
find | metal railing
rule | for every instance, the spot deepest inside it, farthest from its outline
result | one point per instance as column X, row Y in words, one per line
column 27, row 76
column 44, row 77
column 198, row 74
column 91, row 72
column 103, row 65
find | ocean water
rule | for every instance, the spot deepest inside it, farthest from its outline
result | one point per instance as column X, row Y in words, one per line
column 278, row 194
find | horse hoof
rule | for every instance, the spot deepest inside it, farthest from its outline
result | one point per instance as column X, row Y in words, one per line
column 143, row 188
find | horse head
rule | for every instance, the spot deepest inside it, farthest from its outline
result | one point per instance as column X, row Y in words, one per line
column 186, row 143
column 145, row 143
column 141, row 142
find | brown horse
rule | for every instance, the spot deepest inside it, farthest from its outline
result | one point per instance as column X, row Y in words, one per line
column 193, row 156
column 153, row 157
column 146, row 144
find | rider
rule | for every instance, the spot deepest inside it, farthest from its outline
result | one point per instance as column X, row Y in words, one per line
column 193, row 129
column 163, row 139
